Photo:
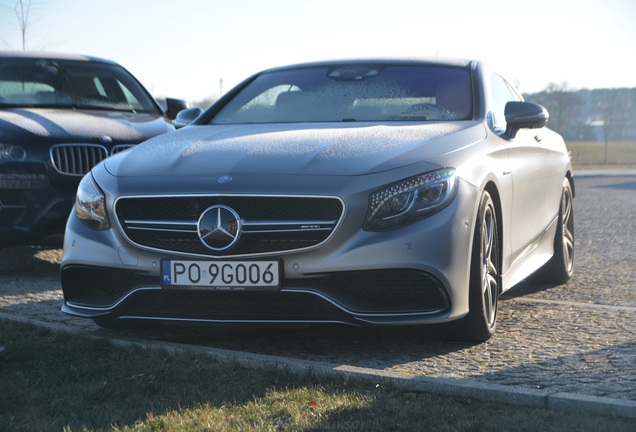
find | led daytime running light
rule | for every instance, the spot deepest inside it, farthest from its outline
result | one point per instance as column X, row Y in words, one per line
column 399, row 204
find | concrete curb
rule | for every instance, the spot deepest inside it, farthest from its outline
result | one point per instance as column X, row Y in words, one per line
column 540, row 398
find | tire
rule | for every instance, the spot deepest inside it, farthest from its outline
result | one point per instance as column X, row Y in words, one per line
column 485, row 278
column 560, row 268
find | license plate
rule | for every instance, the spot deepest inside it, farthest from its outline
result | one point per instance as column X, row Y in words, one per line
column 220, row 275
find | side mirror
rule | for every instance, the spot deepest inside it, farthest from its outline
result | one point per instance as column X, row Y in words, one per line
column 174, row 106
column 187, row 116
column 524, row 115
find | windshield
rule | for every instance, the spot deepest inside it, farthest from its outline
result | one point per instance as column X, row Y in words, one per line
column 70, row 84
column 352, row 92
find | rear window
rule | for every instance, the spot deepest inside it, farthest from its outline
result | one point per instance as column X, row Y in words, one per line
column 353, row 92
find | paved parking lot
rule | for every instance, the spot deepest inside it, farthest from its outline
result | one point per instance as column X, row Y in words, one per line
column 578, row 338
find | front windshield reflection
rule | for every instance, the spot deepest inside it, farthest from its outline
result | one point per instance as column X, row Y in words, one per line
column 353, row 93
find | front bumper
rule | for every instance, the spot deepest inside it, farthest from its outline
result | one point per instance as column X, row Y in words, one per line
column 399, row 296
column 31, row 210
column 413, row 275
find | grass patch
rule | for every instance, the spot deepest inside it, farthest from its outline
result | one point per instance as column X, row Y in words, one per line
column 591, row 154
column 55, row 382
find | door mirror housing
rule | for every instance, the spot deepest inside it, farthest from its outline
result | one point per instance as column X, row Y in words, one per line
column 187, row 116
column 524, row 115
column 174, row 106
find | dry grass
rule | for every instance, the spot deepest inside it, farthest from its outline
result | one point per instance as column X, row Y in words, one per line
column 591, row 155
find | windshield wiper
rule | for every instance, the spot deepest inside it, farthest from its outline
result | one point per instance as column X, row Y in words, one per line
column 32, row 105
column 102, row 108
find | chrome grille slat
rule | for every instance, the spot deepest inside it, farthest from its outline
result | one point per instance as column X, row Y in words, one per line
column 156, row 225
column 248, row 226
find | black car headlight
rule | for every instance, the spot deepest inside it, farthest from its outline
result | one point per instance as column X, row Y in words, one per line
column 12, row 153
column 90, row 204
column 410, row 200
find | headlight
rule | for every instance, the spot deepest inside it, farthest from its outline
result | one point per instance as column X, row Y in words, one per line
column 410, row 200
column 90, row 204
column 12, row 153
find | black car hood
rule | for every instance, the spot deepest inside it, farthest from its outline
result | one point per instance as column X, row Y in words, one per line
column 326, row 149
column 32, row 125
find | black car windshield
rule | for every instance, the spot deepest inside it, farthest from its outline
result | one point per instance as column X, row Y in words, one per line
column 70, row 84
column 352, row 92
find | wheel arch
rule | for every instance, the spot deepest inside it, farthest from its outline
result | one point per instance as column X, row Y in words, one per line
column 570, row 178
column 492, row 189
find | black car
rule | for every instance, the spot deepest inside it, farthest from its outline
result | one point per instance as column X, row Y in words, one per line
column 60, row 115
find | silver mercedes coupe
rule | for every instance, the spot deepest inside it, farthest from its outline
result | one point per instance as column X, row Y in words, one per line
column 361, row 192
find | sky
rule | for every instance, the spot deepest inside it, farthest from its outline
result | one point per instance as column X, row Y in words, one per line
column 199, row 49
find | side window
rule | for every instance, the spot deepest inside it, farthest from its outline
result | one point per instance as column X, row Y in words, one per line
column 501, row 94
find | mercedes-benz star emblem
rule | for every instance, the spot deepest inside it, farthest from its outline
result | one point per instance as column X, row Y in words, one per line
column 219, row 227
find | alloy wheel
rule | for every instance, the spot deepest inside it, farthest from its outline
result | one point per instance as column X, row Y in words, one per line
column 489, row 264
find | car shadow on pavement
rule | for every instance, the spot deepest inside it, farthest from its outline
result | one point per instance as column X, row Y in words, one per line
column 358, row 346
column 30, row 260
column 526, row 288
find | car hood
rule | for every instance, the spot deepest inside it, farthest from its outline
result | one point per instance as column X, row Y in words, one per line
column 333, row 149
column 35, row 125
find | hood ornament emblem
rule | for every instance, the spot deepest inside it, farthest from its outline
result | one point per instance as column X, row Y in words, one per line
column 225, row 179
column 105, row 139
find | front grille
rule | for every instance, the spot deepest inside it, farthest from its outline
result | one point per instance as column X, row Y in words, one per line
column 120, row 148
column 232, row 306
column 78, row 159
column 270, row 223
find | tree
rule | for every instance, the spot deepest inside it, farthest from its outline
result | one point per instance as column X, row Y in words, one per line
column 563, row 105
column 602, row 115
column 22, row 11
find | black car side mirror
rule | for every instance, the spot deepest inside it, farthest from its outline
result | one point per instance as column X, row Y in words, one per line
column 524, row 115
column 187, row 116
column 174, row 106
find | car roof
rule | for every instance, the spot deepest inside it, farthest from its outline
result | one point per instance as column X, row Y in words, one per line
column 4, row 54
column 433, row 61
